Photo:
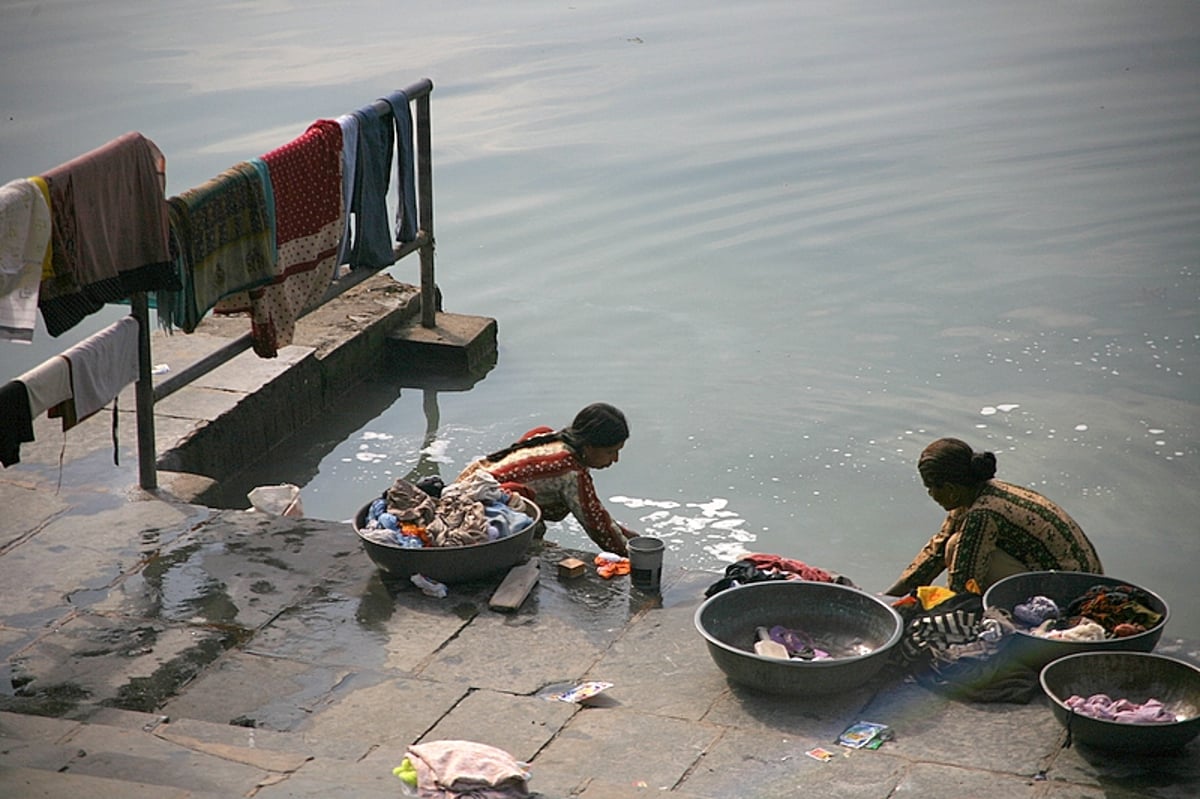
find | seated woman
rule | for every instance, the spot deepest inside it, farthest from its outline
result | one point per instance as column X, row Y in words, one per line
column 551, row 468
column 993, row 529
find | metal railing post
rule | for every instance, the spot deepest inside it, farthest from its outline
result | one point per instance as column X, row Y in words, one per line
column 139, row 307
column 425, row 215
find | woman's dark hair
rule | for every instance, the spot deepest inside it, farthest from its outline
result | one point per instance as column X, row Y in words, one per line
column 597, row 425
column 950, row 460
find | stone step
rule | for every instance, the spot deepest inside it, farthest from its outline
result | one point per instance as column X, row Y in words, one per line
column 119, row 753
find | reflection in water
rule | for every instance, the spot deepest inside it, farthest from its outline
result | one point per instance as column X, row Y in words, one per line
column 184, row 590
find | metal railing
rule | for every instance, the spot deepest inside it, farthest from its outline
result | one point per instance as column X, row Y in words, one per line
column 147, row 394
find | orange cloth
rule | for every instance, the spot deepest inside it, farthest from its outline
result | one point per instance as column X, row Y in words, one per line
column 609, row 569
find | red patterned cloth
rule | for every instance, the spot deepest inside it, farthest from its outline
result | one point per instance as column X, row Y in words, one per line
column 789, row 566
column 306, row 181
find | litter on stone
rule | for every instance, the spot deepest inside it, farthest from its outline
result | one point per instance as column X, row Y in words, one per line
column 865, row 735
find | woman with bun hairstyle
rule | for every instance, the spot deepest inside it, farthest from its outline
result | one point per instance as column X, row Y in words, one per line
column 992, row 529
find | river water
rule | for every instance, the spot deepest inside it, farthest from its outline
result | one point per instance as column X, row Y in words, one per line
column 793, row 241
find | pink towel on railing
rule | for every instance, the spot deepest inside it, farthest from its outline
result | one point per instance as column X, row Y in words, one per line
column 306, row 179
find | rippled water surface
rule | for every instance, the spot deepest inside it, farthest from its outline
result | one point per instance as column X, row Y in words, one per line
column 794, row 241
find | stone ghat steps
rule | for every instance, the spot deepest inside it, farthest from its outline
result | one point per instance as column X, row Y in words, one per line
column 129, row 755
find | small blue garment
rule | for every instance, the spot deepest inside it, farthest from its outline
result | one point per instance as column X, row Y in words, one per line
column 378, row 506
column 371, row 243
column 504, row 520
column 407, row 541
column 406, row 214
column 371, row 246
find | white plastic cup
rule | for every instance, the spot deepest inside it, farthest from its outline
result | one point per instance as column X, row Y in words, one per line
column 645, row 562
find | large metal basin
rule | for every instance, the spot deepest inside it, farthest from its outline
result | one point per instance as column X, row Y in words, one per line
column 1064, row 587
column 1136, row 676
column 856, row 628
column 451, row 564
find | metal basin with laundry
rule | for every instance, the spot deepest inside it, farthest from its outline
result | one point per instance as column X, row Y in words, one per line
column 452, row 564
column 1064, row 587
column 1137, row 677
column 856, row 629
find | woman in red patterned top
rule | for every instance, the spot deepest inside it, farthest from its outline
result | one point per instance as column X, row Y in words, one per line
column 551, row 467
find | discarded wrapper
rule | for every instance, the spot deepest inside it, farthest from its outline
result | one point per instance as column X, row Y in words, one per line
column 579, row 693
column 824, row 755
column 865, row 735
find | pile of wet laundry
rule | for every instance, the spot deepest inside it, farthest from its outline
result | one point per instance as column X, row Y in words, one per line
column 1100, row 613
column 1102, row 706
column 429, row 513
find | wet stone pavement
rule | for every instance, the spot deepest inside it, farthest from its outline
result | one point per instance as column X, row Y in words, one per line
column 157, row 648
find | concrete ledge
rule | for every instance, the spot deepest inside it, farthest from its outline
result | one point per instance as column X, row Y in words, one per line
column 456, row 344
column 232, row 417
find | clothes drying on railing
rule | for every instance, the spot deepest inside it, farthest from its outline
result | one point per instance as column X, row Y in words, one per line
column 224, row 239
column 101, row 365
column 267, row 247
column 24, row 254
column 71, row 386
column 349, row 124
column 48, row 384
column 306, row 182
column 372, row 241
column 109, row 230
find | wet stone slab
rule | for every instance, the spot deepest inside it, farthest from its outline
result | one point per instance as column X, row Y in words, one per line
column 1164, row 775
column 26, row 509
column 364, row 624
column 603, row 743
column 97, row 660
column 776, row 767
column 523, row 653
column 244, row 580
column 929, row 780
column 1001, row 737
column 251, row 690
column 660, row 665
column 387, row 713
column 73, row 561
column 520, row 725
column 133, row 757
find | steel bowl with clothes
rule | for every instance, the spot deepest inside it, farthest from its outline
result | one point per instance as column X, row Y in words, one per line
column 1133, row 702
column 834, row 638
column 1060, row 613
column 472, row 530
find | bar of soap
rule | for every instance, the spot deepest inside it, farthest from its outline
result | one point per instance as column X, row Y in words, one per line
column 570, row 567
